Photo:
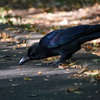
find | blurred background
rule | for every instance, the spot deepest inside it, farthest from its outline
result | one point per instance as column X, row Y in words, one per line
column 36, row 14
column 59, row 4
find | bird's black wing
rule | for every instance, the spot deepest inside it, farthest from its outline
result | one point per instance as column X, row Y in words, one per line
column 60, row 37
column 64, row 36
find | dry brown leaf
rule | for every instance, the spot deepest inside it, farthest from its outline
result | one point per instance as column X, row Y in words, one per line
column 9, row 44
column 63, row 66
column 39, row 73
column 27, row 36
column 19, row 66
column 3, row 40
column 23, row 45
column 89, row 47
column 76, row 75
column 70, row 89
column 83, row 70
column 5, row 35
column 76, row 66
column 73, row 89
column 43, row 33
column 93, row 72
column 97, row 78
column 72, row 64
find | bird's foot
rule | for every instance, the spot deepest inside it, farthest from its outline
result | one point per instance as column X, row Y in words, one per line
column 57, row 63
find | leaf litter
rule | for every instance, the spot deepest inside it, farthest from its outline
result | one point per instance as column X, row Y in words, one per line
column 65, row 19
column 86, row 74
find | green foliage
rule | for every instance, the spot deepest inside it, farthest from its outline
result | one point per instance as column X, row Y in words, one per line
column 6, row 18
column 2, row 9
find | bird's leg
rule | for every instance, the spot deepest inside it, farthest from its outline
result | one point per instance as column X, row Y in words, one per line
column 64, row 57
column 58, row 62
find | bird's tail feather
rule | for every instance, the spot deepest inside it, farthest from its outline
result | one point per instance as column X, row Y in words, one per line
column 93, row 28
column 88, row 37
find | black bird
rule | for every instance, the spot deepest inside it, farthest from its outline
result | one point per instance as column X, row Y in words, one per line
column 63, row 42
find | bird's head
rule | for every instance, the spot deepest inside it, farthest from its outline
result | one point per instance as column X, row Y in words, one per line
column 32, row 54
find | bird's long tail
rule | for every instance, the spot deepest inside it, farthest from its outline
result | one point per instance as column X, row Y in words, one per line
column 92, row 29
column 92, row 32
column 88, row 37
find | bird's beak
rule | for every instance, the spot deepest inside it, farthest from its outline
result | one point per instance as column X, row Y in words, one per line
column 23, row 60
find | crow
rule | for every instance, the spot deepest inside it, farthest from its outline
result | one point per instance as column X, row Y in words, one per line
column 63, row 42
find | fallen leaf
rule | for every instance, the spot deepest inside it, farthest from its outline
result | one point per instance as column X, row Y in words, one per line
column 2, row 40
column 83, row 70
column 10, row 79
column 77, row 75
column 78, row 92
column 46, row 79
column 19, row 66
column 93, row 72
column 23, row 45
column 89, row 47
column 97, row 77
column 75, row 84
column 43, row 33
column 14, row 55
column 70, row 89
column 10, row 28
column 63, row 67
column 39, row 72
column 8, row 44
column 14, row 84
column 27, row 36
column 97, row 91
column 76, row 66
column 28, row 79
column 72, row 64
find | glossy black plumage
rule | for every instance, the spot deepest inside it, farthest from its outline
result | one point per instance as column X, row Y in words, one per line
column 62, row 42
